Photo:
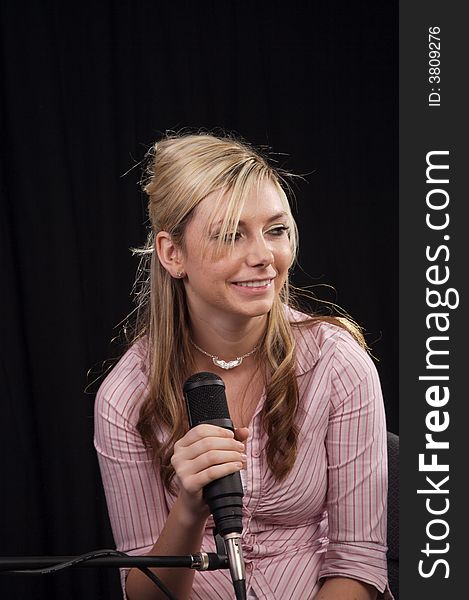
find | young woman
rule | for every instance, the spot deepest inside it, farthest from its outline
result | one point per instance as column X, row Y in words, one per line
column 303, row 394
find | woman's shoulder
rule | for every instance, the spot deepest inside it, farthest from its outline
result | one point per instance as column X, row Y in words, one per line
column 309, row 329
column 320, row 339
column 125, row 385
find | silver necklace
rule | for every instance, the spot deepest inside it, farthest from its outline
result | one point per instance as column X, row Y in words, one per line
column 231, row 364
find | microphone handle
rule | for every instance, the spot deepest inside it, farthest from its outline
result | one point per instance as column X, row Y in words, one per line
column 224, row 496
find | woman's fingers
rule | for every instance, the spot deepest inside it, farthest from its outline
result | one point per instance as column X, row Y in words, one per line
column 194, row 482
column 207, row 453
column 214, row 457
column 208, row 444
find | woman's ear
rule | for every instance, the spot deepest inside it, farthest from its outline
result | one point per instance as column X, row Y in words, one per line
column 170, row 255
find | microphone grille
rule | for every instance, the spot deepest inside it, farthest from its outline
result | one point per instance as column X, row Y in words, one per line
column 205, row 398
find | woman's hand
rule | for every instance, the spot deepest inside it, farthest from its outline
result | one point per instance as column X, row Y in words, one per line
column 204, row 454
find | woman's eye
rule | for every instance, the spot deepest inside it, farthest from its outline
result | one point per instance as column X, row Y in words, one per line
column 280, row 230
column 229, row 237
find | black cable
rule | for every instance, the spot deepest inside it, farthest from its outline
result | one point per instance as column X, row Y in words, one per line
column 69, row 563
column 156, row 580
column 92, row 555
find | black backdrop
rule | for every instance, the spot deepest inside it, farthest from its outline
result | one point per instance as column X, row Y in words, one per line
column 86, row 87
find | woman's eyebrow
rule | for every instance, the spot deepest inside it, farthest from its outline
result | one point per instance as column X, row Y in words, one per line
column 275, row 217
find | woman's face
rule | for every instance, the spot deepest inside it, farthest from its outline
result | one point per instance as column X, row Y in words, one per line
column 245, row 279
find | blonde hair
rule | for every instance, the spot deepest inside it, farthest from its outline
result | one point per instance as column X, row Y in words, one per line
column 182, row 170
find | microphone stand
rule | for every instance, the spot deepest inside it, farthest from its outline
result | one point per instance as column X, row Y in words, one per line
column 43, row 565
column 202, row 561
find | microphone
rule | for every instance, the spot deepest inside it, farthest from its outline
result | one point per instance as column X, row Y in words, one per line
column 205, row 398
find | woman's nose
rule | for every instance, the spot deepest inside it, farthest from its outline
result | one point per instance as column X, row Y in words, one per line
column 259, row 252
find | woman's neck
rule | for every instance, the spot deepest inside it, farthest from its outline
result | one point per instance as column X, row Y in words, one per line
column 228, row 340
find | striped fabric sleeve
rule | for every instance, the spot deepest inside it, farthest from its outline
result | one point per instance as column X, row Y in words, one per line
column 135, row 498
column 357, row 470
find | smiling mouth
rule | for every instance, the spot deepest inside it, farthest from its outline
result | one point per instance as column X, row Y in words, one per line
column 253, row 284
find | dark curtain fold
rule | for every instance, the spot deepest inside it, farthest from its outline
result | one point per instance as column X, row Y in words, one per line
column 85, row 89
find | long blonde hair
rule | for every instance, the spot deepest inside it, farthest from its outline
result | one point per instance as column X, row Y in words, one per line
column 182, row 170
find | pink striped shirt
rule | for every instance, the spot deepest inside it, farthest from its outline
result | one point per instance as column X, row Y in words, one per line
column 327, row 518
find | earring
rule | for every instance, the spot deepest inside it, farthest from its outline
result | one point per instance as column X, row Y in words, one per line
column 180, row 274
